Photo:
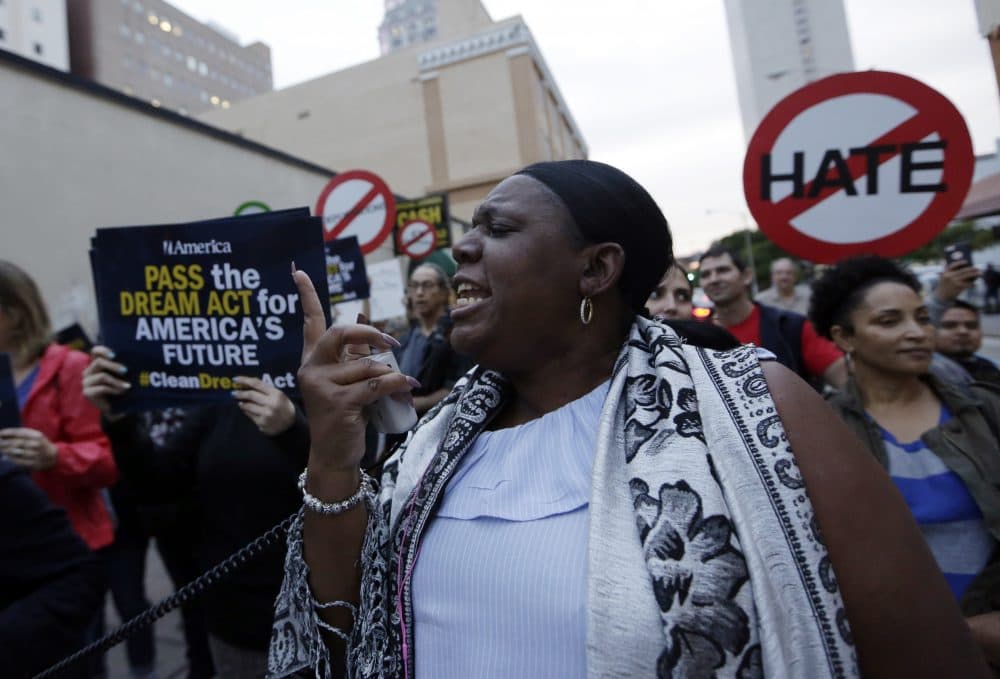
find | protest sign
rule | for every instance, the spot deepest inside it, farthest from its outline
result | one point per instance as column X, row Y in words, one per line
column 858, row 163
column 387, row 290
column 431, row 213
column 10, row 411
column 187, row 307
column 345, row 270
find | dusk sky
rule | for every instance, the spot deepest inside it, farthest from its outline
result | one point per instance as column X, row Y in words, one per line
column 650, row 82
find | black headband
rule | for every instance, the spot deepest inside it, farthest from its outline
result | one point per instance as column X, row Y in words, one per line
column 609, row 206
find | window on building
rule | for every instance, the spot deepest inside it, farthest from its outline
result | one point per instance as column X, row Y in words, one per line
column 3, row 35
column 168, row 80
column 36, row 15
column 140, row 39
column 38, row 48
column 124, row 32
column 202, row 68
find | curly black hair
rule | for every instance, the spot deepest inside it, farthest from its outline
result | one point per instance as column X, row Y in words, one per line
column 840, row 289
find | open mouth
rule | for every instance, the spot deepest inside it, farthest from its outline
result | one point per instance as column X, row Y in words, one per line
column 468, row 293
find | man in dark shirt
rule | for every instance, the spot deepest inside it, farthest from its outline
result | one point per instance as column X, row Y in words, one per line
column 959, row 337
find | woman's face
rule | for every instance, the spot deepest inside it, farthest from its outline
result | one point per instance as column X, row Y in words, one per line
column 892, row 331
column 518, row 279
column 672, row 296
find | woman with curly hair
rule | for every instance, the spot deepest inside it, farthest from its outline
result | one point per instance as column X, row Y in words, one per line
column 938, row 441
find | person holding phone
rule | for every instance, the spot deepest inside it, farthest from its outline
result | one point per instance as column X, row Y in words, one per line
column 957, row 276
column 597, row 497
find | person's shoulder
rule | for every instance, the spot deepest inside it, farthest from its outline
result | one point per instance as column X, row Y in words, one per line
column 766, row 295
column 62, row 355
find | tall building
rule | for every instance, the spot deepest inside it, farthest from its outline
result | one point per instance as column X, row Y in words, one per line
column 36, row 30
column 412, row 22
column 988, row 16
column 780, row 45
column 454, row 115
column 151, row 50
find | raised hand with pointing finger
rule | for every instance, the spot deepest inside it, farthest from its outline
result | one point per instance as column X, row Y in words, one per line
column 337, row 382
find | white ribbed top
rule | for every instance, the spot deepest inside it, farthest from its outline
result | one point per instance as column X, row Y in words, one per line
column 500, row 584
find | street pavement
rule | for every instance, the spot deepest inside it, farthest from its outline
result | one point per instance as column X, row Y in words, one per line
column 171, row 662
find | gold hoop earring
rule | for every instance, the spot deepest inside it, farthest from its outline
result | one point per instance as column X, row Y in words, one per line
column 586, row 311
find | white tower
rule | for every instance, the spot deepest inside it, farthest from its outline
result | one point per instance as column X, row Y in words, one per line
column 780, row 45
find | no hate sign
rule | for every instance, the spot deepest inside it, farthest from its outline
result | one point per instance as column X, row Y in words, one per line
column 868, row 162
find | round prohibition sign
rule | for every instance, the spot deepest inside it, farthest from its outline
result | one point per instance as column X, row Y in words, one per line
column 417, row 239
column 868, row 162
column 357, row 203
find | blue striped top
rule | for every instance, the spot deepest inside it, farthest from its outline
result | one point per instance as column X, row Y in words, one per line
column 945, row 511
column 500, row 584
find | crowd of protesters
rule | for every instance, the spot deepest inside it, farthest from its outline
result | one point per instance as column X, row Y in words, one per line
column 87, row 492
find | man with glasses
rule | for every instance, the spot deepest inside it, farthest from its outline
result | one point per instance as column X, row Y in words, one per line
column 426, row 352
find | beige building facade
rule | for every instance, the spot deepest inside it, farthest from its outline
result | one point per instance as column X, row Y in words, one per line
column 82, row 156
column 455, row 115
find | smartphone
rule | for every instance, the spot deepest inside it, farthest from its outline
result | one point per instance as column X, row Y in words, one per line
column 958, row 252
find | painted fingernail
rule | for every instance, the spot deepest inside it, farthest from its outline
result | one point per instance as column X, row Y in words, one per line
column 413, row 382
column 390, row 340
column 111, row 353
column 122, row 369
column 293, row 267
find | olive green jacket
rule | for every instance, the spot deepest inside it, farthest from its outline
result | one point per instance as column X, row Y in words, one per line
column 968, row 446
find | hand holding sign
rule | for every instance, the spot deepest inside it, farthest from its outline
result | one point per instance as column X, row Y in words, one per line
column 102, row 380
column 265, row 405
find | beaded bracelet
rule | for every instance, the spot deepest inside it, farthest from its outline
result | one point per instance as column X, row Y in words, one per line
column 366, row 490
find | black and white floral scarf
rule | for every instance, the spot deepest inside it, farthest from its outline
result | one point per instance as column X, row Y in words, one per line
column 705, row 558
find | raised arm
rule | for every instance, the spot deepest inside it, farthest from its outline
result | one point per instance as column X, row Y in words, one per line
column 336, row 383
column 903, row 617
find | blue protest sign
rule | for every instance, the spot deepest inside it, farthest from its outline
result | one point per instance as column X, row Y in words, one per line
column 187, row 307
column 10, row 412
column 345, row 270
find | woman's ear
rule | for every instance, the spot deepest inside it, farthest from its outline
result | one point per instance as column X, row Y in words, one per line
column 603, row 266
column 843, row 338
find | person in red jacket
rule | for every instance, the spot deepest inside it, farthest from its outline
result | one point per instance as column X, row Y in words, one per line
column 60, row 439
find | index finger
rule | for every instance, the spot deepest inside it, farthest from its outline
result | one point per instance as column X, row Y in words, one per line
column 313, row 318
